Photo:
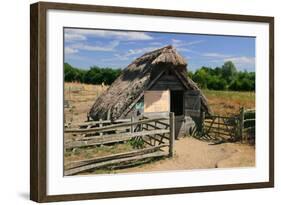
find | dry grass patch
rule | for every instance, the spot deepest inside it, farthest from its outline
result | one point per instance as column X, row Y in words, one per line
column 227, row 103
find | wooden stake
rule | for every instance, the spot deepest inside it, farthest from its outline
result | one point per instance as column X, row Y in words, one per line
column 132, row 126
column 172, row 134
column 242, row 123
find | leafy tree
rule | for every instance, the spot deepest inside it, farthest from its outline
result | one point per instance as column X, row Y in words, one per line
column 228, row 71
column 200, row 77
column 244, row 82
column 216, row 83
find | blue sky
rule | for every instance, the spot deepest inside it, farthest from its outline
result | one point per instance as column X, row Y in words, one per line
column 84, row 48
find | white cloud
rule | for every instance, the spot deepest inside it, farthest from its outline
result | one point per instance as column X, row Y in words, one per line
column 69, row 50
column 216, row 55
column 242, row 60
column 75, row 48
column 156, row 44
column 176, row 41
column 70, row 37
column 185, row 46
column 88, row 47
column 138, row 51
column 130, row 54
column 83, row 34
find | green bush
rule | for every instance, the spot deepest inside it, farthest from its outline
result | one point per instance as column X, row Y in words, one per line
column 73, row 74
column 216, row 83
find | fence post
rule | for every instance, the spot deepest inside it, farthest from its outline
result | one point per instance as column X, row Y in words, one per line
column 100, row 125
column 202, row 123
column 218, row 134
column 108, row 114
column 241, row 123
column 172, row 133
column 101, row 133
column 132, row 126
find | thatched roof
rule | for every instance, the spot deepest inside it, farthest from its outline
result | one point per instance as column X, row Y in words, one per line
column 139, row 76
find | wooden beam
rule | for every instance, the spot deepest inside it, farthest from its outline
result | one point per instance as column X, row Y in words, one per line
column 249, row 120
column 98, row 122
column 248, row 128
column 112, row 162
column 172, row 134
column 222, row 117
column 156, row 115
column 219, row 128
column 163, row 123
column 218, row 123
column 108, row 139
column 162, row 136
column 241, row 123
column 250, row 110
column 130, row 164
column 80, row 163
column 110, row 127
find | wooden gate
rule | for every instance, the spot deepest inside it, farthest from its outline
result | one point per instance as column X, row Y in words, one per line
column 220, row 128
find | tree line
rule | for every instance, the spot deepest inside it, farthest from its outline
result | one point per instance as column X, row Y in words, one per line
column 95, row 75
column 226, row 77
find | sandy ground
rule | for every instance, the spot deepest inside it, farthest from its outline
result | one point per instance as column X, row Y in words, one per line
column 191, row 153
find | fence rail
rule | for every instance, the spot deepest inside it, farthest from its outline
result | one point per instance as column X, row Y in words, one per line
column 156, row 131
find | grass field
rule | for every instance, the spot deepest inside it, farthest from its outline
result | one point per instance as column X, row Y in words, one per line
column 227, row 103
column 80, row 98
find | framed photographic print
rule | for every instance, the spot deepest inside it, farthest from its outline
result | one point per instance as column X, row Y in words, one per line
column 135, row 102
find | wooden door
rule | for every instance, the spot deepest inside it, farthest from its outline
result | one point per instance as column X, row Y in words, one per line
column 192, row 103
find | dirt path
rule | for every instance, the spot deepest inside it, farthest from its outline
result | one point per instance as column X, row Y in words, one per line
column 191, row 153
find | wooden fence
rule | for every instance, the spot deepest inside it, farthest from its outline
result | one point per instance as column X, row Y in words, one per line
column 156, row 131
column 247, row 124
column 220, row 128
column 234, row 128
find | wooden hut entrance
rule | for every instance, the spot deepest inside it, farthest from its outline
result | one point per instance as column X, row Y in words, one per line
column 176, row 105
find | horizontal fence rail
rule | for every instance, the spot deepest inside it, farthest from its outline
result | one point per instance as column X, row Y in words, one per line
column 112, row 127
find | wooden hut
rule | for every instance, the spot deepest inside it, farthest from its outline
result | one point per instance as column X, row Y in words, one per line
column 155, row 82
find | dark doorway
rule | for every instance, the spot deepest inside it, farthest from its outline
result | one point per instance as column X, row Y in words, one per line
column 177, row 102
